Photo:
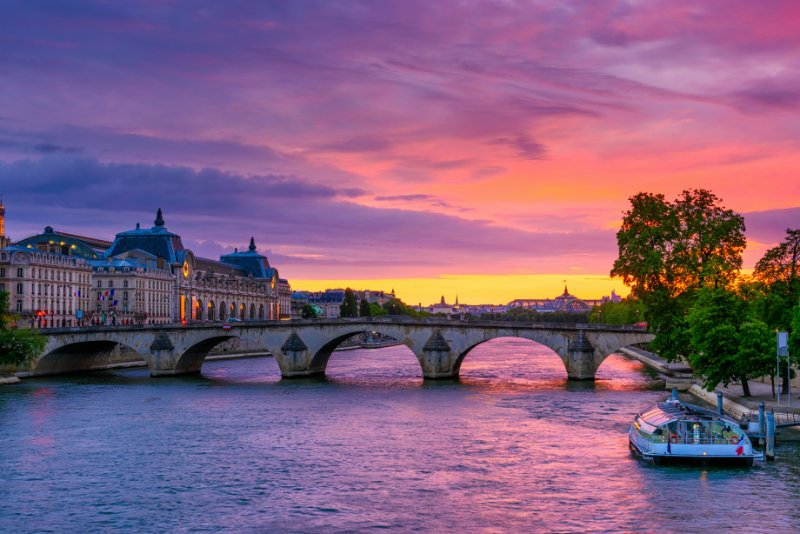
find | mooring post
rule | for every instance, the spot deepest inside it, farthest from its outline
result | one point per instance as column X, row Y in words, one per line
column 719, row 402
column 762, row 423
column 769, row 448
column 674, row 393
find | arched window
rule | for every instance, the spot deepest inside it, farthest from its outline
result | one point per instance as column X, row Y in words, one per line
column 261, row 312
column 232, row 311
column 211, row 310
column 223, row 311
column 252, row 311
column 241, row 311
column 198, row 310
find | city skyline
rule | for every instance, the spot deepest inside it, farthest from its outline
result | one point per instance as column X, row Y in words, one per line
column 485, row 150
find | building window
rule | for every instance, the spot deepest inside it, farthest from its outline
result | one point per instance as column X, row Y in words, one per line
column 2, row 287
column 19, row 289
column 124, row 283
column 99, row 283
column 2, row 273
column 19, row 306
column 20, row 272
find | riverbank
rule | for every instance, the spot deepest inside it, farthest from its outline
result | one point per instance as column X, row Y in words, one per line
column 8, row 379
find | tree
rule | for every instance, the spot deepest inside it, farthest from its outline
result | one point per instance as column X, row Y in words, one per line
column 727, row 343
column 363, row 309
column 669, row 250
column 781, row 264
column 756, row 354
column 308, row 312
column 396, row 307
column 779, row 272
column 18, row 347
column 375, row 310
column 349, row 307
column 627, row 311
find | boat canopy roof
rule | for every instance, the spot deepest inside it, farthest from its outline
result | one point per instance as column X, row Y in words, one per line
column 667, row 412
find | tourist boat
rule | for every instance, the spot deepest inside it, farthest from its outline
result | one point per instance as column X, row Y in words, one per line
column 674, row 432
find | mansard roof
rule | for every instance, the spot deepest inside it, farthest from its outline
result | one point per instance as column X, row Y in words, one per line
column 157, row 241
column 251, row 262
column 62, row 243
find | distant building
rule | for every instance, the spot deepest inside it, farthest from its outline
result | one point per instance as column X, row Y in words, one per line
column 45, row 288
column 329, row 301
column 143, row 276
column 564, row 303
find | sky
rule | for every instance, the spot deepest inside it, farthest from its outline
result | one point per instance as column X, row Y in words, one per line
column 481, row 148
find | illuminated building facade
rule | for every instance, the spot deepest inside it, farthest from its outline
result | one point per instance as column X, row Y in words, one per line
column 44, row 289
column 146, row 276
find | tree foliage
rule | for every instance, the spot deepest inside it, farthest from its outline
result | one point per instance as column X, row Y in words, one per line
column 308, row 312
column 396, row 306
column 727, row 343
column 18, row 347
column 778, row 272
column 627, row 311
column 349, row 307
column 669, row 250
column 364, row 309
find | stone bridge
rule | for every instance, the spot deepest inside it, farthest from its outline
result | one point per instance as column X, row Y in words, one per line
column 302, row 348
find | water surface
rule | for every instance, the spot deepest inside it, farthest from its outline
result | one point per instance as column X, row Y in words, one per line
column 512, row 446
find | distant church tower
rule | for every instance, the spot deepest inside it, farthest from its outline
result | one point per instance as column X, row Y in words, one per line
column 4, row 241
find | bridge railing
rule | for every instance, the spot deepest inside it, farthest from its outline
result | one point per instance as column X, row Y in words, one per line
column 389, row 319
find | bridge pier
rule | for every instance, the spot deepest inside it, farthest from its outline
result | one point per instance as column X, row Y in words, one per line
column 163, row 360
column 580, row 362
column 437, row 359
column 296, row 360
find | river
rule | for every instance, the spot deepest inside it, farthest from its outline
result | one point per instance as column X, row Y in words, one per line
column 512, row 446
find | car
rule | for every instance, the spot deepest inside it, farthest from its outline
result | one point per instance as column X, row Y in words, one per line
column 234, row 320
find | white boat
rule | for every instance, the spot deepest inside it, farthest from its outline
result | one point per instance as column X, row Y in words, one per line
column 673, row 431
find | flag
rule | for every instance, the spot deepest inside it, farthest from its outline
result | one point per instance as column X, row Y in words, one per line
column 112, row 292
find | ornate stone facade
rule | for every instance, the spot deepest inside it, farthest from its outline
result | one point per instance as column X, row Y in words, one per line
column 146, row 276
column 45, row 289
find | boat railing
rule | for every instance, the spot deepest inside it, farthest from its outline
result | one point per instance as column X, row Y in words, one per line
column 677, row 440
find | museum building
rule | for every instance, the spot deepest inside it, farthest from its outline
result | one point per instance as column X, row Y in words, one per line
column 145, row 276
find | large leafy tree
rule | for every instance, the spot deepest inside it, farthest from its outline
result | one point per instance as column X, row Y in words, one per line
column 728, row 344
column 18, row 347
column 669, row 250
column 778, row 272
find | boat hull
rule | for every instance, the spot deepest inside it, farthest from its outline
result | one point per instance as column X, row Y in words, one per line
column 692, row 459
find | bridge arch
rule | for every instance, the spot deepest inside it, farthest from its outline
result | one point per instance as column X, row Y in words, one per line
column 556, row 343
column 321, row 357
column 85, row 356
column 191, row 361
